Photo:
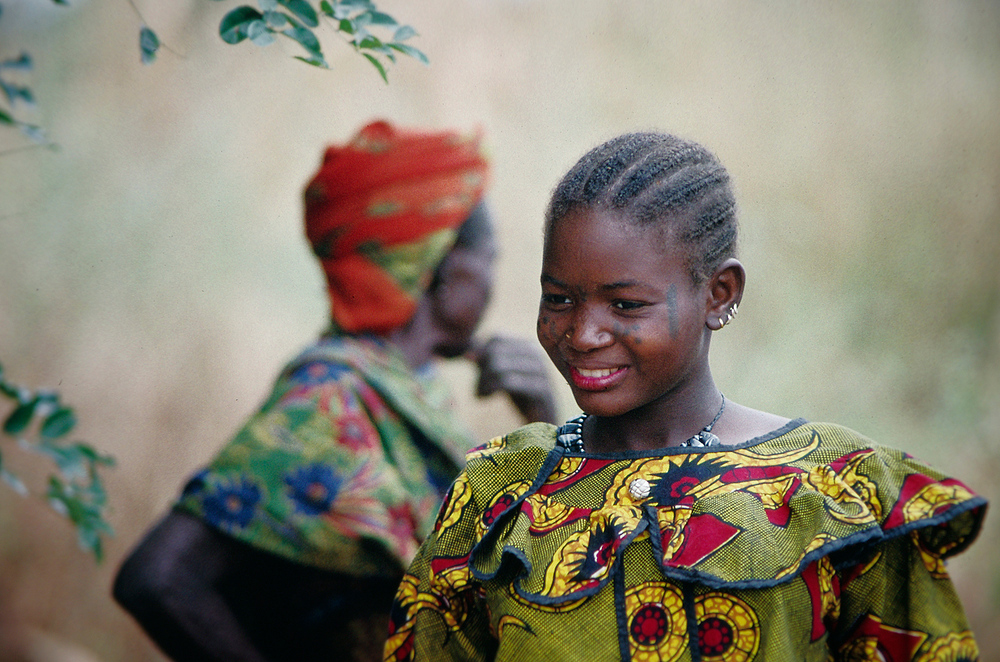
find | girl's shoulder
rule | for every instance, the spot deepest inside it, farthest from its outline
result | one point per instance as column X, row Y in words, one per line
column 519, row 458
column 530, row 438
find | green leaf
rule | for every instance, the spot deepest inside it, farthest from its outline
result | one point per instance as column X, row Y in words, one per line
column 58, row 424
column 23, row 63
column 342, row 11
column 275, row 20
column 327, row 9
column 347, row 26
column 48, row 397
column 355, row 5
column 149, row 43
column 58, row 501
column 316, row 62
column 303, row 10
column 5, row 118
column 233, row 28
column 308, row 41
column 259, row 33
column 72, row 463
column 377, row 65
column 403, row 33
column 381, row 18
column 90, row 541
column 371, row 43
column 20, row 418
column 294, row 22
column 409, row 50
column 17, row 92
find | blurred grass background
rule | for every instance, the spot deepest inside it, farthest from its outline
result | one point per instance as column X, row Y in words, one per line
column 153, row 268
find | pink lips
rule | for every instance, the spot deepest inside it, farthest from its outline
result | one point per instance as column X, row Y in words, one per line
column 598, row 379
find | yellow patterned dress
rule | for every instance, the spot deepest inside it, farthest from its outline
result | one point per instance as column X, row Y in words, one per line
column 810, row 543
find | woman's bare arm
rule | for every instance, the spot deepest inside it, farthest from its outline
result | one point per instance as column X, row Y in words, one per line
column 170, row 585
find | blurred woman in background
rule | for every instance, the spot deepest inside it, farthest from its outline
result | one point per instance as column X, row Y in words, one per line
column 290, row 544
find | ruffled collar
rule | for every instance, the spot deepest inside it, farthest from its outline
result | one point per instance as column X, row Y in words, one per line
column 746, row 516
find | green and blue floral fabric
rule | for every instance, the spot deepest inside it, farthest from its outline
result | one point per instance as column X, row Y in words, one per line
column 344, row 465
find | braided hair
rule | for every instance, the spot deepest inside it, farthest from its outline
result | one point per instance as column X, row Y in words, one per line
column 657, row 180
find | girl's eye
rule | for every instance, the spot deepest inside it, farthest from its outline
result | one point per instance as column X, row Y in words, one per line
column 628, row 305
column 555, row 300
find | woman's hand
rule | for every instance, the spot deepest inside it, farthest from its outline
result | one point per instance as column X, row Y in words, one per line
column 517, row 367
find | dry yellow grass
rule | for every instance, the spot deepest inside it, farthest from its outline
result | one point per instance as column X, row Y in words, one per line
column 153, row 268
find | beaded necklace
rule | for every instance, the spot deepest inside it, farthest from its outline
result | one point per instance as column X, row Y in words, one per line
column 570, row 435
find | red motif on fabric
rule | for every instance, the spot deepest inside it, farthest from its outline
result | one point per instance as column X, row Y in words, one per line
column 821, row 591
column 703, row 535
column 780, row 482
column 442, row 564
column 843, row 462
column 747, row 474
column 852, row 573
column 892, row 644
column 543, row 520
column 715, row 637
column 780, row 515
column 587, row 467
column 357, row 433
column 912, row 487
column 499, row 506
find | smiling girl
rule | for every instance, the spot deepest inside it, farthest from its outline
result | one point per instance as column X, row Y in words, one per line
column 668, row 523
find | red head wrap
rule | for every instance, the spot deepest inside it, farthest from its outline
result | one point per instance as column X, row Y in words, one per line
column 382, row 213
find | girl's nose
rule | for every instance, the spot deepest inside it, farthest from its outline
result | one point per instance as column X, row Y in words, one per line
column 586, row 333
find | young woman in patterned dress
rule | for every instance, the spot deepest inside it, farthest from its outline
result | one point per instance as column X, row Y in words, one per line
column 669, row 523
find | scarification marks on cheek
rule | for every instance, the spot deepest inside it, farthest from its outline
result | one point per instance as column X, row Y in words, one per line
column 672, row 310
column 546, row 327
column 628, row 333
column 634, row 330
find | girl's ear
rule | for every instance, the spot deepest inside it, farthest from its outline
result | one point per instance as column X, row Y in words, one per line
column 725, row 290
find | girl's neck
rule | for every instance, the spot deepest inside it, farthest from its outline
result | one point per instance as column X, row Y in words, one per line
column 665, row 422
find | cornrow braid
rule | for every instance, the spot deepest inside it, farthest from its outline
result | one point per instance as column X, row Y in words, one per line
column 657, row 180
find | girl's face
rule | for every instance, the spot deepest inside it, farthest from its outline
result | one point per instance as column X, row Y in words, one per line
column 620, row 315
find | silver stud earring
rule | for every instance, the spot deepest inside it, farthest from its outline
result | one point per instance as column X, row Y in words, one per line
column 730, row 314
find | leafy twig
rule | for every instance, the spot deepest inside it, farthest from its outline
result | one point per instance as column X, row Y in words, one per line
column 17, row 93
column 357, row 20
column 40, row 422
